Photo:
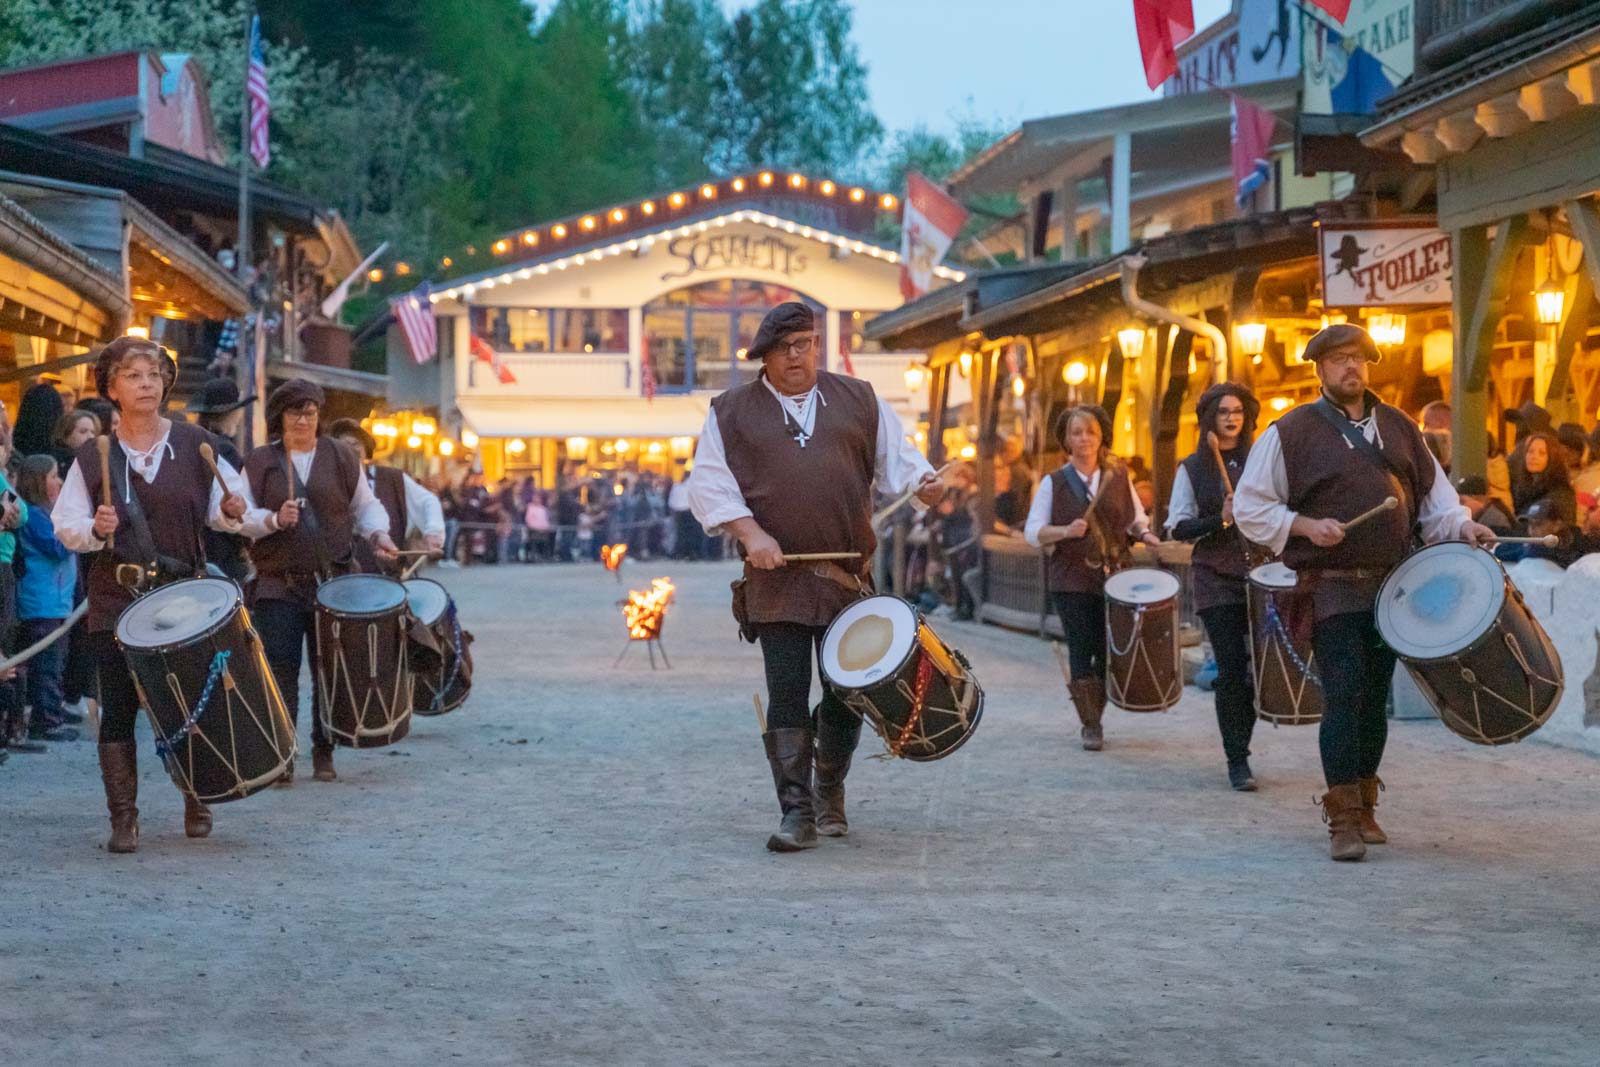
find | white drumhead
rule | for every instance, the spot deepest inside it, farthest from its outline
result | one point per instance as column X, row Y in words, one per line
column 867, row 640
column 1440, row 600
column 361, row 594
column 176, row 613
column 1142, row 585
column 428, row 600
column 1274, row 575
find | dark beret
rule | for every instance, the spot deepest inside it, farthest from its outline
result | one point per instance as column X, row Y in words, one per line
column 1337, row 336
column 780, row 322
column 117, row 352
column 291, row 394
column 352, row 428
column 1064, row 419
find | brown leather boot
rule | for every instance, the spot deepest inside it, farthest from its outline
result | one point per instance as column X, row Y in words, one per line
column 119, row 771
column 196, row 818
column 836, row 743
column 1341, row 810
column 789, row 753
column 1371, row 832
column 1089, row 697
column 322, row 763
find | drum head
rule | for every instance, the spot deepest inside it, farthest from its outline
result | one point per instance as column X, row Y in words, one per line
column 428, row 600
column 868, row 641
column 361, row 594
column 1274, row 575
column 1141, row 585
column 177, row 614
column 1440, row 601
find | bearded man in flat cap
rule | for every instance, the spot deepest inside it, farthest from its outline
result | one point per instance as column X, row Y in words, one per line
column 788, row 463
column 1311, row 472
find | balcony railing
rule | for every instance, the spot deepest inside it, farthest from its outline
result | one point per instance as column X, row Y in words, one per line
column 555, row 374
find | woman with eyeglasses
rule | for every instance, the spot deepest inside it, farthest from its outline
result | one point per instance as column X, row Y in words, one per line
column 1201, row 511
column 292, row 559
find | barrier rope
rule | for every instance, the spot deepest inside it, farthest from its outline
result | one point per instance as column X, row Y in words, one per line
column 167, row 746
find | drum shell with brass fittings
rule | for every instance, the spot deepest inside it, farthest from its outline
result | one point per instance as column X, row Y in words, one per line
column 242, row 740
column 364, row 680
column 1144, row 671
column 887, row 665
column 1480, row 657
column 1287, row 690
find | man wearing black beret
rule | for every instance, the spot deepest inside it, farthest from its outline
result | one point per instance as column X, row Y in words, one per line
column 1313, row 470
column 788, row 463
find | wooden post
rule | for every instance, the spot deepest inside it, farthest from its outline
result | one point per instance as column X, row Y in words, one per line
column 1482, row 282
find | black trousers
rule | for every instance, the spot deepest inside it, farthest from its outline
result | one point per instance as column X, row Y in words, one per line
column 289, row 630
column 118, row 696
column 1356, row 668
column 786, row 651
column 1228, row 628
column 1083, row 621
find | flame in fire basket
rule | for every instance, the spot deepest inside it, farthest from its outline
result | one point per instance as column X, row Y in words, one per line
column 611, row 555
column 644, row 611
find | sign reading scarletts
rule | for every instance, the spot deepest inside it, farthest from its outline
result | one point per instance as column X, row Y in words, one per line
column 734, row 251
column 1397, row 263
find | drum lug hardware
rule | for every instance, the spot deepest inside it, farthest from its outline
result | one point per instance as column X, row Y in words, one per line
column 1469, row 676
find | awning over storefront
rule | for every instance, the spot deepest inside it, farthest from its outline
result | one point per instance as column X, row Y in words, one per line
column 358, row 382
column 666, row 416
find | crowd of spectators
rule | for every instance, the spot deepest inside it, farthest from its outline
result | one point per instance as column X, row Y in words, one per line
column 518, row 521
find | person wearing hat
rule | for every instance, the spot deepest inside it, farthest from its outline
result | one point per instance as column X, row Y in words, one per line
column 1084, row 548
column 219, row 411
column 410, row 507
column 788, row 463
column 1319, row 466
column 293, row 556
column 1201, row 511
column 155, row 461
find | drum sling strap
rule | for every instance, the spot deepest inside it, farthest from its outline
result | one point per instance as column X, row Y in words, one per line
column 1358, row 440
column 156, row 568
column 308, row 516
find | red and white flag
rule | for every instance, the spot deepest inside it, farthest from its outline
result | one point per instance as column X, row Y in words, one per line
column 1339, row 9
column 845, row 361
column 932, row 220
column 647, row 374
column 257, row 99
column 1252, row 148
column 484, row 352
column 414, row 313
column 1162, row 26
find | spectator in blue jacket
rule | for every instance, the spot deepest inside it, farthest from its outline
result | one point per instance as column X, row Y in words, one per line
column 45, row 597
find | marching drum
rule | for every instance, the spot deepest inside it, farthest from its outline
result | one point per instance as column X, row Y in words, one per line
column 364, row 676
column 1143, row 672
column 1475, row 650
column 221, row 726
column 445, row 687
column 887, row 666
column 1288, row 692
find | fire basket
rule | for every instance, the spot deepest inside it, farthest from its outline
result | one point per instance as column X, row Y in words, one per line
column 645, row 612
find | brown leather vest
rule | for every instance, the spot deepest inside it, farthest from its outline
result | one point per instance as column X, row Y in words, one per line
column 287, row 561
column 389, row 486
column 1074, row 566
column 175, row 507
column 1220, row 564
column 812, row 499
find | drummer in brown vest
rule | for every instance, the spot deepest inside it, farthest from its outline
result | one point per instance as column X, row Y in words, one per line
column 410, row 507
column 1084, row 547
column 163, row 498
column 788, row 463
column 1201, row 510
column 304, row 536
column 1312, row 471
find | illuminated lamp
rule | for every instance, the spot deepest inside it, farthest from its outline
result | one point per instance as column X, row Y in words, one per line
column 968, row 452
column 915, row 376
column 682, row 447
column 887, row 201
column 1550, row 301
column 375, row 275
column 413, row 441
column 618, row 215
column 469, row 439
column 588, row 222
column 965, row 363
column 827, row 188
column 558, row 231
column 402, row 268
column 1019, row 388
column 766, row 178
column 502, row 246
column 858, row 195
column 708, row 192
column 676, row 199
column 530, row 239
column 738, row 185
column 516, row 446
column 138, row 331
column 797, row 181
column 648, row 207
column 1075, row 373
column 447, row 447
column 1438, row 352
column 622, row 445
column 1281, row 403
column 577, row 446
column 1131, row 341
column 655, row 448
column 1252, row 338
column 447, row 263
column 424, row 427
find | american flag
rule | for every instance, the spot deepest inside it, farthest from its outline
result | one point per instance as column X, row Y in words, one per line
column 414, row 312
column 647, row 375
column 256, row 93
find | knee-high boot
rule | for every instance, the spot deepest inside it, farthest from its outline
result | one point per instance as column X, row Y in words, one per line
column 789, row 753
column 838, row 733
column 1089, row 697
column 119, row 771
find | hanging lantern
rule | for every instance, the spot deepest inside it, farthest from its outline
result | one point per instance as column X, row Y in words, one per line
column 1252, row 338
column 1131, row 341
column 916, row 375
column 1550, row 301
column 1077, row 372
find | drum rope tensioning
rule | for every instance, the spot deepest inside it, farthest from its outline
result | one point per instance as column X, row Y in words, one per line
column 1280, row 633
column 436, row 706
column 168, row 745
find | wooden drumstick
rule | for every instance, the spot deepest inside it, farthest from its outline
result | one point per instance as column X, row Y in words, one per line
column 211, row 462
column 1389, row 504
column 1548, row 540
column 103, row 443
column 812, row 557
column 1216, row 450
column 894, row 505
column 761, row 718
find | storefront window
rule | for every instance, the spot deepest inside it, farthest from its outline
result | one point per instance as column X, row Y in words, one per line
column 850, row 324
column 590, row 330
column 565, row 330
column 696, row 333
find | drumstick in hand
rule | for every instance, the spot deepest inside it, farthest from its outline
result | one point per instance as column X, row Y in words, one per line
column 103, row 443
column 211, row 464
column 1389, row 504
column 1548, row 540
column 1216, row 450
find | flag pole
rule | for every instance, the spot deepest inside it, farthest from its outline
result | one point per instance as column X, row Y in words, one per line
column 244, row 371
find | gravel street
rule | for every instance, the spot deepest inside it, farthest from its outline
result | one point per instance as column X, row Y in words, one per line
column 570, row 870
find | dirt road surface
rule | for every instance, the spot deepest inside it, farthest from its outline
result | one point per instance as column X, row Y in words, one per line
column 570, row 870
